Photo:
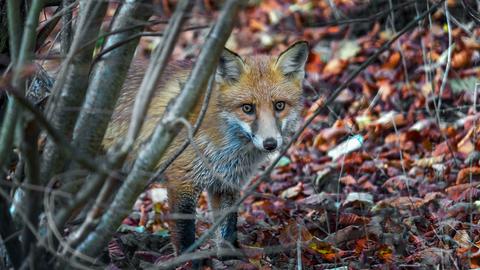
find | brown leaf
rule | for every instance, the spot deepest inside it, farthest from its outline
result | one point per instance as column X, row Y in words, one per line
column 465, row 174
column 335, row 67
column 454, row 192
column 292, row 192
column 461, row 59
column 393, row 61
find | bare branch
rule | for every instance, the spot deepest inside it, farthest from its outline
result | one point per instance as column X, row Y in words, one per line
column 138, row 35
column 196, row 126
column 7, row 230
column 106, row 80
column 158, row 64
column 72, row 83
column 20, row 59
column 58, row 138
column 31, row 206
column 66, row 35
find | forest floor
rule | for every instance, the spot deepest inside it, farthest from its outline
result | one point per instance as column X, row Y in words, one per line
column 389, row 176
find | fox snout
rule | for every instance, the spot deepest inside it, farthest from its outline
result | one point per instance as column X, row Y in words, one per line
column 268, row 143
column 266, row 135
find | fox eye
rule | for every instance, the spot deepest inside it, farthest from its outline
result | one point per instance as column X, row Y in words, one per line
column 248, row 108
column 279, row 106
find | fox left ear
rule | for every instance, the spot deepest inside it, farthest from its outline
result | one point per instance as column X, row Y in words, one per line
column 230, row 67
column 291, row 62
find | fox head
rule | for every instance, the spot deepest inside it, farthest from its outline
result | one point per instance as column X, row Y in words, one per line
column 260, row 97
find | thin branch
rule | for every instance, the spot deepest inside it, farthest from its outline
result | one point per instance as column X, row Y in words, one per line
column 196, row 127
column 106, row 81
column 362, row 20
column 67, row 27
column 139, row 35
column 122, row 30
column 20, row 59
column 437, row 105
column 96, row 210
column 68, row 150
column 205, row 254
column 31, row 207
column 7, row 231
column 71, row 82
column 47, row 29
column 14, row 31
column 449, row 60
column 154, row 71
column 23, row 215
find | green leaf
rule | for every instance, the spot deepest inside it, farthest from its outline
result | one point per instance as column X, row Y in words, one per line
column 464, row 84
column 348, row 49
column 284, row 161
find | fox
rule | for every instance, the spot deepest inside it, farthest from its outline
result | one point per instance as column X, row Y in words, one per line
column 254, row 108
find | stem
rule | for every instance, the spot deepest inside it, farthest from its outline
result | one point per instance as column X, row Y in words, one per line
column 31, row 206
column 70, row 87
column 21, row 53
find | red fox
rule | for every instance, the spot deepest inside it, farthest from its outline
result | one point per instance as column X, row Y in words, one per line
column 255, row 106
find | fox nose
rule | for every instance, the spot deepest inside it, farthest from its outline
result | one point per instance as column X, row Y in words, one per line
column 270, row 144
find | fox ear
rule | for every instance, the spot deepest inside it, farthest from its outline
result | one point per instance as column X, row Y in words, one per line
column 230, row 67
column 291, row 62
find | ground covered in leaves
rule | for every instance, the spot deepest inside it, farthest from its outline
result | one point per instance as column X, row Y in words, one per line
column 389, row 176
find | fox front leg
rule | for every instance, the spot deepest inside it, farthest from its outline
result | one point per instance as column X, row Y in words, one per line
column 183, row 201
column 221, row 203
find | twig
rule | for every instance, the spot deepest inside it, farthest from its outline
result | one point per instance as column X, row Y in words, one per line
column 49, row 204
column 71, row 82
column 7, row 233
column 97, row 208
column 67, row 149
column 20, row 58
column 23, row 215
column 106, row 80
column 50, row 24
column 14, row 31
column 204, row 254
column 449, row 61
column 139, row 35
column 31, row 206
column 67, row 28
column 196, row 126
column 362, row 20
column 37, row 188
column 264, row 176
column 121, row 30
column 154, row 71
column 471, row 11
column 299, row 248
column 57, row 15
column 437, row 105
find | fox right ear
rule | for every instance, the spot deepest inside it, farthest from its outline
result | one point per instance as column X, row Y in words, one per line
column 292, row 61
column 229, row 68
